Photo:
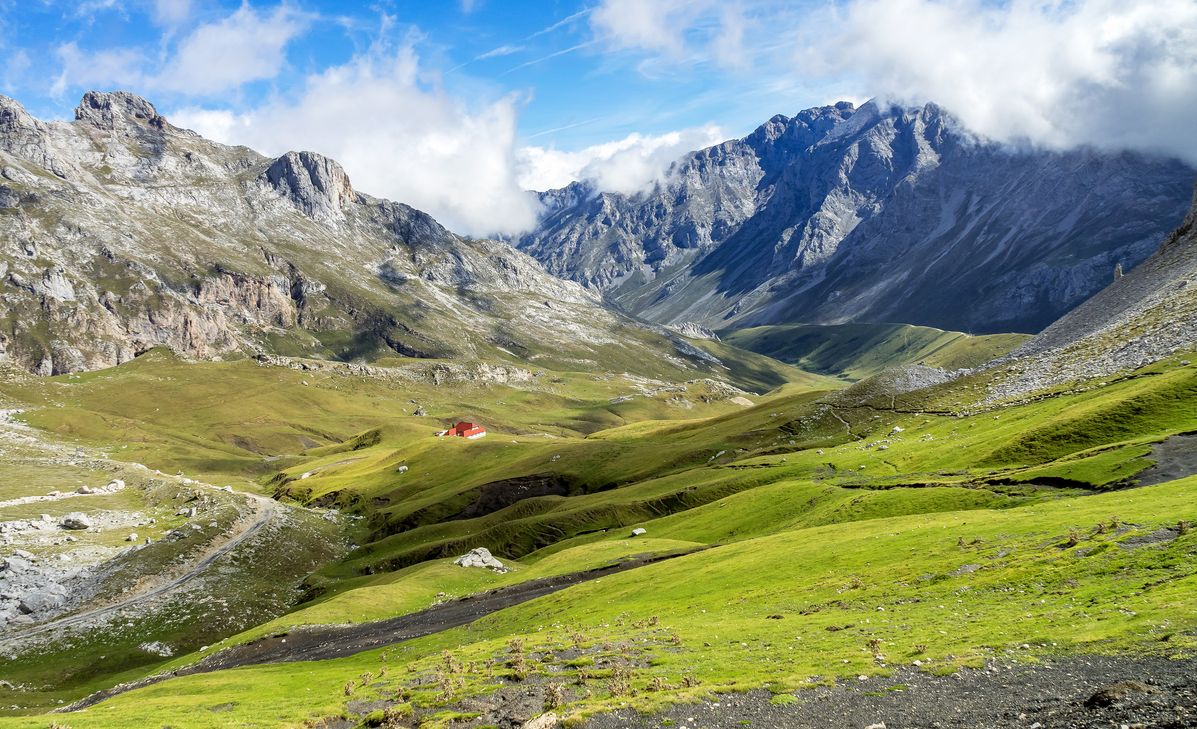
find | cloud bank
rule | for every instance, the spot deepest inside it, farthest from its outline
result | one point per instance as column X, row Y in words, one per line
column 628, row 165
column 1114, row 74
column 397, row 136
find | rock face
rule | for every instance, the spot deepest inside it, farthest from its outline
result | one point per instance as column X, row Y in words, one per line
column 872, row 214
column 480, row 557
column 317, row 185
column 1145, row 316
column 120, row 232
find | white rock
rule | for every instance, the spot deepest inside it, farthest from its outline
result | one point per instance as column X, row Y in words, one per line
column 132, row 537
column 480, row 557
column 157, row 648
column 638, row 531
column 76, row 520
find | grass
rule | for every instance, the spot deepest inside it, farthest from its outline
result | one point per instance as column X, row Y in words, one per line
column 855, row 351
column 972, row 533
column 887, row 584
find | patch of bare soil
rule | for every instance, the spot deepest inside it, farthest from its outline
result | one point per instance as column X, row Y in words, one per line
column 1174, row 458
column 1082, row 692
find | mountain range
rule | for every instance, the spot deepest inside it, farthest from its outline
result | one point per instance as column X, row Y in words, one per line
column 871, row 214
column 120, row 232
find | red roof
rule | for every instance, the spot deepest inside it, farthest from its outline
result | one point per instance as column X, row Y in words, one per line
column 465, row 429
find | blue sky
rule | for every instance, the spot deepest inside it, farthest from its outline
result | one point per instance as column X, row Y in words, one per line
column 460, row 106
column 577, row 87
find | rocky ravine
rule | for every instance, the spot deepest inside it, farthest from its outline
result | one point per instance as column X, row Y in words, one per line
column 120, row 232
column 876, row 214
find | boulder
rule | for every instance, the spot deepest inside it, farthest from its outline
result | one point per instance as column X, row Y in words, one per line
column 639, row 531
column 41, row 601
column 480, row 557
column 15, row 565
column 76, row 520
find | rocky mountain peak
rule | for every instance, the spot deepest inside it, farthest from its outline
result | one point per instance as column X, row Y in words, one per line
column 109, row 110
column 880, row 212
column 10, row 107
column 316, row 184
column 13, row 118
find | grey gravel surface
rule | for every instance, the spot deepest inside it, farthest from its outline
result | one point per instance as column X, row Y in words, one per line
column 1076, row 692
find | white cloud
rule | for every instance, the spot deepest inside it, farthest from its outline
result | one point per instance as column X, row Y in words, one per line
column 653, row 25
column 1109, row 73
column 397, row 137
column 628, row 165
column 246, row 46
column 499, row 52
column 679, row 30
column 243, row 47
column 171, row 12
column 84, row 68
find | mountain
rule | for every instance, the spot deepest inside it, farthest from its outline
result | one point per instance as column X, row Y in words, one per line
column 121, row 232
column 876, row 214
column 1137, row 320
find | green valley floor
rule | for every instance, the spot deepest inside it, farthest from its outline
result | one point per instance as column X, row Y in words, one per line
column 669, row 547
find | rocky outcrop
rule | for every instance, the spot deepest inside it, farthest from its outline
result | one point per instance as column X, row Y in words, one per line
column 872, row 214
column 313, row 183
column 24, row 137
column 480, row 557
column 118, row 110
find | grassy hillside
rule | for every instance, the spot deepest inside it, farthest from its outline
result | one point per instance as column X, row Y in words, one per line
column 799, row 607
column 855, row 351
column 953, row 513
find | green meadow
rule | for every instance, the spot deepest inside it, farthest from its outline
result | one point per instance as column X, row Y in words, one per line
column 813, row 537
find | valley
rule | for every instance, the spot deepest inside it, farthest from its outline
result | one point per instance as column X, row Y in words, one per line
column 982, row 501
column 278, row 453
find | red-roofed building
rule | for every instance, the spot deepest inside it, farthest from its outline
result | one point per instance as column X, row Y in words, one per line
column 466, row 429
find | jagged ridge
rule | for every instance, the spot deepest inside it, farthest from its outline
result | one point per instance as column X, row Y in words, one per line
column 122, row 232
column 876, row 214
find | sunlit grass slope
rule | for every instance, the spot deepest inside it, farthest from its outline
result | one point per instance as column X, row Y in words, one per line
column 859, row 350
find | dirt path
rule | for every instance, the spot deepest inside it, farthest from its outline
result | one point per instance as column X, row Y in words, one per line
column 1077, row 692
column 321, row 642
column 1174, row 458
column 264, row 508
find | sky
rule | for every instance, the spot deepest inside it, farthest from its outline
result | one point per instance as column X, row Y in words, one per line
column 459, row 106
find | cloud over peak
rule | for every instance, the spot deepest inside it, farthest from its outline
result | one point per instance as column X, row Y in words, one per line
column 397, row 136
column 1114, row 74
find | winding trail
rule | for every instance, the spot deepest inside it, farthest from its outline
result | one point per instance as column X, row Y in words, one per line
column 265, row 511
